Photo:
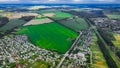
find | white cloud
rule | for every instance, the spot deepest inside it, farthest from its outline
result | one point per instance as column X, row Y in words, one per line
column 7, row 0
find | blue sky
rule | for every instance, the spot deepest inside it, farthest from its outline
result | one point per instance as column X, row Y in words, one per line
column 60, row 1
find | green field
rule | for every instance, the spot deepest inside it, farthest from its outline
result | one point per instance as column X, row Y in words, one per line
column 50, row 36
column 58, row 14
column 11, row 24
column 1, row 11
column 113, row 16
column 76, row 24
column 61, row 15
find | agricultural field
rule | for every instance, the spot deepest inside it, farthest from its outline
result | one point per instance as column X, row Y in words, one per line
column 61, row 15
column 98, row 58
column 39, row 17
column 47, row 11
column 11, row 24
column 38, row 21
column 116, row 42
column 113, row 16
column 39, row 64
column 50, row 36
column 49, row 14
column 76, row 24
column 56, row 15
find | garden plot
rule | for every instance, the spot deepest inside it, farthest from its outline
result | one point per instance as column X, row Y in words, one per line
column 39, row 21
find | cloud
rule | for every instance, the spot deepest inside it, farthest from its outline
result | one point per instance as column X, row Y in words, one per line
column 105, row 0
column 8, row 0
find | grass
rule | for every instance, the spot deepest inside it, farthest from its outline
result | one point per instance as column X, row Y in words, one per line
column 50, row 36
column 1, row 11
column 39, row 64
column 98, row 58
column 76, row 24
column 116, row 42
column 11, row 24
column 113, row 16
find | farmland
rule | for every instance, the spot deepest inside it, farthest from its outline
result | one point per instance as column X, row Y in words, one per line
column 61, row 15
column 76, row 24
column 56, row 15
column 47, row 11
column 39, row 17
column 39, row 64
column 49, row 36
column 12, row 24
column 49, row 14
column 38, row 21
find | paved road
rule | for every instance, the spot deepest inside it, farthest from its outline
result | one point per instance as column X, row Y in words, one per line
column 67, row 53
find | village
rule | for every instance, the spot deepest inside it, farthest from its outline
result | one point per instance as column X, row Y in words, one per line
column 16, row 48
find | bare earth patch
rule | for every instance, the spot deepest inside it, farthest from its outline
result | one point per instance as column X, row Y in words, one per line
column 49, row 14
column 19, row 15
column 40, row 21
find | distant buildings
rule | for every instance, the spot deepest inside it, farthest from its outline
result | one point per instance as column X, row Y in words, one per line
column 105, row 23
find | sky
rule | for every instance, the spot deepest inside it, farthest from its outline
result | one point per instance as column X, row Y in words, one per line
column 60, row 1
